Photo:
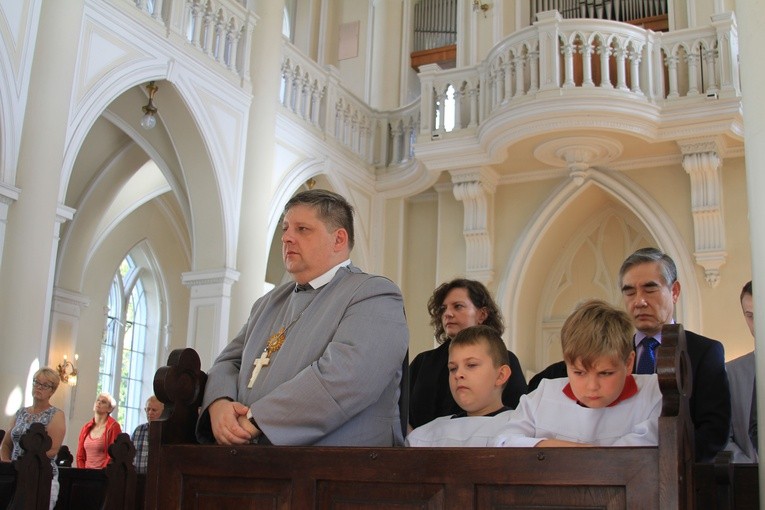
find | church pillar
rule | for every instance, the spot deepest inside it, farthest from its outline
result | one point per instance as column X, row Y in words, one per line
column 751, row 17
column 702, row 162
column 65, row 323
column 386, row 54
column 209, row 311
column 257, row 184
column 475, row 188
column 34, row 220
column 8, row 195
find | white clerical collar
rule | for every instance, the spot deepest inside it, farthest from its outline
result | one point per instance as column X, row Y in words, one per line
column 324, row 279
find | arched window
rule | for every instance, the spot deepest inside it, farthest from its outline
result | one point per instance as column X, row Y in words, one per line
column 129, row 346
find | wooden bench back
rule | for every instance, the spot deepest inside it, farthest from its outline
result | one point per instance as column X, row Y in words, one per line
column 183, row 474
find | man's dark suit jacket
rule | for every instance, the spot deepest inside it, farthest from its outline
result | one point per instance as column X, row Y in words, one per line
column 429, row 393
column 710, row 396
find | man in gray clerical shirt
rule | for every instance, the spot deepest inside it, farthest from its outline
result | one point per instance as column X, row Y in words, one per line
column 319, row 360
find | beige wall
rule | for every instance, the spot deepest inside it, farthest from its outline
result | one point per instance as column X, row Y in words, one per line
column 577, row 255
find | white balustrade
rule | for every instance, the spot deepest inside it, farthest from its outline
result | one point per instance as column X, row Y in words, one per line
column 220, row 29
column 316, row 96
column 560, row 55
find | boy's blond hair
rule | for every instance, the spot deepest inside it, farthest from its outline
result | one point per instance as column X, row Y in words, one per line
column 596, row 329
column 475, row 335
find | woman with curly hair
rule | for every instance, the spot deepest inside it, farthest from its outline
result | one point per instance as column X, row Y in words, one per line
column 454, row 306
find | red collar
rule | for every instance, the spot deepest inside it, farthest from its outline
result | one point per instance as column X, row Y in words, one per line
column 630, row 390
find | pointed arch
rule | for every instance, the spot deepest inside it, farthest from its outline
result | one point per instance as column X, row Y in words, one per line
column 635, row 199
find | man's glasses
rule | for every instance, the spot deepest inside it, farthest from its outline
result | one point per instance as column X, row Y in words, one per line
column 38, row 384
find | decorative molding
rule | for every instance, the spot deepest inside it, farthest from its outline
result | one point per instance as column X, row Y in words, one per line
column 703, row 167
column 475, row 188
column 69, row 303
column 211, row 278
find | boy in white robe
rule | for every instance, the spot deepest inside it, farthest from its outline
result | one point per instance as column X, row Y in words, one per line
column 600, row 403
column 479, row 369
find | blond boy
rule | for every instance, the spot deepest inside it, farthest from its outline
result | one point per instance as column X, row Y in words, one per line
column 478, row 372
column 600, row 403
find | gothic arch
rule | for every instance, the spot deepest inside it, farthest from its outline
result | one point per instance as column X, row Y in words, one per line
column 624, row 192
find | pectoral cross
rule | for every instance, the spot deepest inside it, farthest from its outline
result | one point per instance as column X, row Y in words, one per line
column 259, row 363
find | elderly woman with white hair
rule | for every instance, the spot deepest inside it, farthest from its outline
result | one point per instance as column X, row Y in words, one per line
column 44, row 384
column 97, row 434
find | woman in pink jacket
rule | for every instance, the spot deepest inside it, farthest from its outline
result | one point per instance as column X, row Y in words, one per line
column 97, row 434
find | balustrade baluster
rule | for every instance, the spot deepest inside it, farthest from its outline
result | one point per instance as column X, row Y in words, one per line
column 621, row 74
column 234, row 53
column 518, row 65
column 709, row 71
column 507, row 82
column 605, row 76
column 692, row 58
column 672, row 69
column 635, row 57
column 568, row 61
column 587, row 50
column 533, row 60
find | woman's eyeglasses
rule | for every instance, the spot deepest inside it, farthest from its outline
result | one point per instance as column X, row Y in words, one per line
column 38, row 384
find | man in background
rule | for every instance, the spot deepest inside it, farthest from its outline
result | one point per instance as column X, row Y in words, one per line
column 140, row 436
column 741, row 373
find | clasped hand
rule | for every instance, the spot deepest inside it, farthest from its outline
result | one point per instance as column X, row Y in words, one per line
column 229, row 422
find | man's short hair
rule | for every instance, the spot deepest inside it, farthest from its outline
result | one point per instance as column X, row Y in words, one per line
column 475, row 335
column 331, row 208
column 596, row 329
column 746, row 291
column 643, row 255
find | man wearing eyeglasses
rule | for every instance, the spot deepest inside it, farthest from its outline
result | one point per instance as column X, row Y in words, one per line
column 140, row 437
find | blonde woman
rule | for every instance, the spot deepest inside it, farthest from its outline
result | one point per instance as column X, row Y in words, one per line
column 97, row 434
column 44, row 384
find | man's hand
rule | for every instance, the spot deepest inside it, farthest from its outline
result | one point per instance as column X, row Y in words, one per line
column 229, row 422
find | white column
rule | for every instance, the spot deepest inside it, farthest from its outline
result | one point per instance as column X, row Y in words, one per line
column 33, row 221
column 257, row 186
column 385, row 77
column 752, row 17
column 209, row 311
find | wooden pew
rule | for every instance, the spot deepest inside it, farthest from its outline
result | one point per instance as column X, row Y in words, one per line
column 182, row 474
column 116, row 487
column 723, row 485
column 25, row 483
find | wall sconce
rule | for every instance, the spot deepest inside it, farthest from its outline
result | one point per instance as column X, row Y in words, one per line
column 149, row 119
column 478, row 6
column 67, row 371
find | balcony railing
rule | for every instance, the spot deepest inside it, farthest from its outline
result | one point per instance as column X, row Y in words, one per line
column 557, row 56
column 219, row 29
column 317, row 97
